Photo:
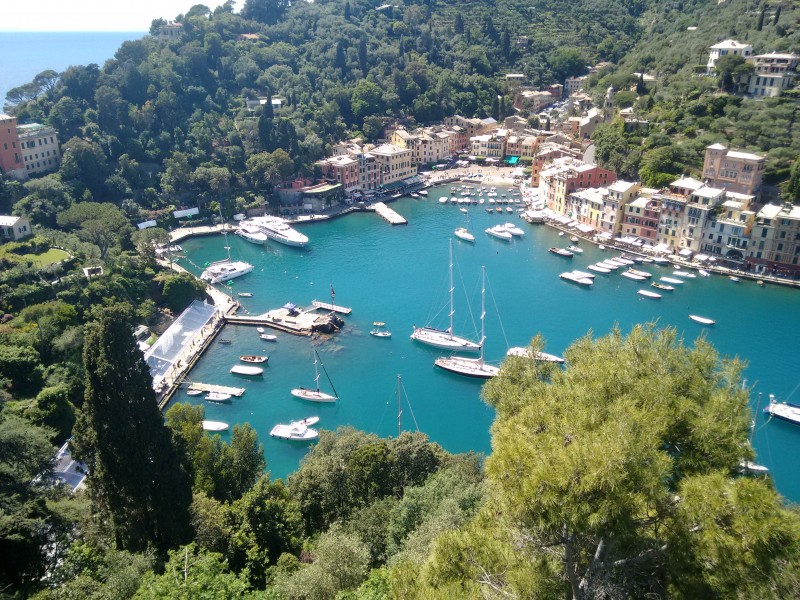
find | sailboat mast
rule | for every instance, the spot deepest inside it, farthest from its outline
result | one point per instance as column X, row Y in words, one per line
column 225, row 233
column 483, row 308
column 452, row 310
column 316, row 371
column 399, row 406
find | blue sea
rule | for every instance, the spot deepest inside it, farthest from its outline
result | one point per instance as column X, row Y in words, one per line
column 398, row 275
column 25, row 54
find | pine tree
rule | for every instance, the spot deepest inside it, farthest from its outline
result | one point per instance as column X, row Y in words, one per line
column 761, row 15
column 136, row 475
column 777, row 15
column 362, row 56
column 458, row 24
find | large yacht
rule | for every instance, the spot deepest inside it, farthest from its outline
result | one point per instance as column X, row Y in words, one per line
column 277, row 229
column 223, row 270
column 251, row 233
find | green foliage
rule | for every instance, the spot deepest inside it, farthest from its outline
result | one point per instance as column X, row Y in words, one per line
column 99, row 223
column 179, row 291
column 136, row 476
column 20, row 369
column 27, row 523
column 191, row 573
column 350, row 469
column 615, row 475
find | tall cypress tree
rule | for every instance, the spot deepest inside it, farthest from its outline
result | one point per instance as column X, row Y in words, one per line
column 362, row 56
column 137, row 478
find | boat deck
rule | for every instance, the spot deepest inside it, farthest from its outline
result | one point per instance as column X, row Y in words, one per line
column 388, row 214
column 210, row 387
column 277, row 319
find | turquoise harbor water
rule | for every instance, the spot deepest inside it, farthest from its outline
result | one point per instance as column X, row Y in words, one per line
column 399, row 275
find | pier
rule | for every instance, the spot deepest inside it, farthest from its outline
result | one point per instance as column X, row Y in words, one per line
column 331, row 307
column 210, row 387
column 388, row 214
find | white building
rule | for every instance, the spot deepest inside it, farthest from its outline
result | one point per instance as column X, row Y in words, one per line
column 40, row 151
column 726, row 48
column 14, row 228
column 773, row 74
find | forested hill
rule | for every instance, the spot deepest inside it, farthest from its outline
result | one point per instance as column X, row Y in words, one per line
column 339, row 67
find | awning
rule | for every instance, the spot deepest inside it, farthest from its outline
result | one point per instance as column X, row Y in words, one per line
column 585, row 228
column 701, row 257
column 685, row 252
column 662, row 249
column 606, row 235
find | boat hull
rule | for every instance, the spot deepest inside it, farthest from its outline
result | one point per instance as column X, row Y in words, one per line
column 313, row 395
column 473, row 368
column 214, row 426
column 245, row 370
column 442, row 339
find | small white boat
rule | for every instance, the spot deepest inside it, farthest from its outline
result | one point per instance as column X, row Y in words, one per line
column 660, row 260
column 463, row 210
column 245, row 370
column 381, row 333
column 513, row 229
column 734, row 279
column 268, row 337
column 672, row 280
column 253, row 358
column 312, row 395
column 509, row 209
column 702, row 320
column 224, row 341
column 685, row 274
column 633, row 276
column 251, row 233
column 560, row 234
column 750, row 468
column 214, row 426
column 649, row 294
column 574, row 239
column 644, row 274
column 423, row 192
column 598, row 269
column 260, row 329
column 526, row 353
column 499, row 232
column 661, row 286
column 217, row 397
column 561, row 252
column 601, row 247
column 463, row 233
column 623, row 260
column 573, row 278
column 607, row 264
column 583, row 274
column 245, row 294
column 414, row 195
column 294, row 431
column 574, row 248
column 703, row 273
column 193, row 392
column 443, row 200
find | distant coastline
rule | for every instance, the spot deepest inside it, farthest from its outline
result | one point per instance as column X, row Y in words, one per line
column 24, row 54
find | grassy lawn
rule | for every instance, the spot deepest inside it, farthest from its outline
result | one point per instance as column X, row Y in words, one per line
column 46, row 258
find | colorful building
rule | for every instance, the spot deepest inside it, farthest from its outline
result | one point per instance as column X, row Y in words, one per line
column 733, row 170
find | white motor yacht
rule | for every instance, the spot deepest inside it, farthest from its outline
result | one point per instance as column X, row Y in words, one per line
column 499, row 232
column 278, row 230
column 251, row 233
column 573, row 278
column 513, row 229
column 294, row 431
column 526, row 353
column 463, row 233
column 223, row 270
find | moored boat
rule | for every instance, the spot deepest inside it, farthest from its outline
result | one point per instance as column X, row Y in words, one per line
column 294, row 431
column 561, row 252
column 606, row 264
column 684, row 274
column 702, row 320
column 224, row 270
column 245, row 370
column 214, row 426
column 253, row 358
column 782, row 410
column 661, row 286
column 703, row 273
column 193, row 392
column 598, row 269
column 633, row 276
column 672, row 280
column 463, row 233
column 278, row 230
column 649, row 294
column 734, row 279
column 251, row 233
column 513, row 229
column 526, row 353
column 644, row 274
column 583, row 274
column 315, row 395
column 245, row 294
column 499, row 232
column 224, row 341
column 268, row 337
column 575, row 249
column 217, row 397
column 573, row 278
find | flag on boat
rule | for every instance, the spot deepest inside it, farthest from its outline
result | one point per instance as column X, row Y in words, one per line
column 333, row 294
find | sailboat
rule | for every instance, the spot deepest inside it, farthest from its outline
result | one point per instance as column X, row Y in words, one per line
column 223, row 270
column 314, row 395
column 444, row 338
column 471, row 367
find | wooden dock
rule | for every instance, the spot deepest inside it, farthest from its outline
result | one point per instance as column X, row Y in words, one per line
column 332, row 307
column 388, row 214
column 210, row 387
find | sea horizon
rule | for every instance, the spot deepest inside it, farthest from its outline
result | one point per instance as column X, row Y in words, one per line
column 56, row 50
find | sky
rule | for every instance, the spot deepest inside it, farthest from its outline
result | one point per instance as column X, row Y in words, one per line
column 92, row 15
